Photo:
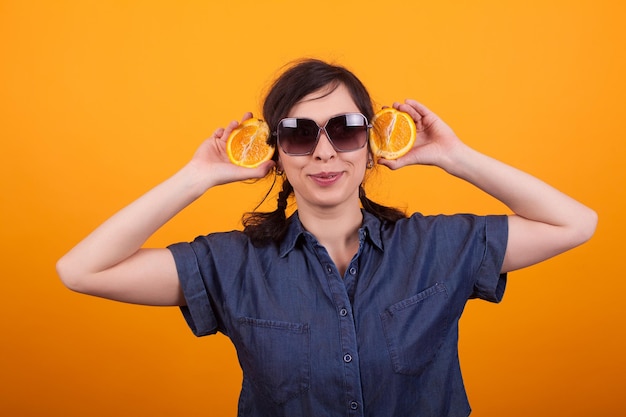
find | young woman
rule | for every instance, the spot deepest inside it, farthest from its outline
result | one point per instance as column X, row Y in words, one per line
column 346, row 307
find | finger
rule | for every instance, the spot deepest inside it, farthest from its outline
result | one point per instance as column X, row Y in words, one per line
column 410, row 110
column 247, row 115
column 389, row 163
column 218, row 133
column 228, row 130
column 421, row 109
column 260, row 171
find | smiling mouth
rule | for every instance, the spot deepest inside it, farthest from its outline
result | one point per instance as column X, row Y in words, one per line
column 326, row 178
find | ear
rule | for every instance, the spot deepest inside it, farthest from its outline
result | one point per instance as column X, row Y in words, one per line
column 279, row 167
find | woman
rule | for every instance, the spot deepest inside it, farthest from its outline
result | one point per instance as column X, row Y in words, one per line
column 346, row 307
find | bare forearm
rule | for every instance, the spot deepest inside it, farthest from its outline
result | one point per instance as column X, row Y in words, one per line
column 524, row 194
column 125, row 232
column 546, row 221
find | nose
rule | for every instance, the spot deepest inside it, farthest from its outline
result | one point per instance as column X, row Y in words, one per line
column 324, row 150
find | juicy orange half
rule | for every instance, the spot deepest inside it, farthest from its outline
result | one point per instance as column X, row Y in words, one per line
column 393, row 133
column 247, row 145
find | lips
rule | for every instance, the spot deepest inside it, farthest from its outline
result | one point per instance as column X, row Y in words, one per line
column 326, row 178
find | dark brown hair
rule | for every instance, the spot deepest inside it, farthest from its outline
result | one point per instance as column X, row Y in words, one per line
column 299, row 80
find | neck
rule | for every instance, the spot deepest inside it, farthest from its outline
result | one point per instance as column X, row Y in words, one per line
column 337, row 230
column 332, row 227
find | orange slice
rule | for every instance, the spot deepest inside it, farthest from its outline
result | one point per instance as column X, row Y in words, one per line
column 393, row 133
column 247, row 145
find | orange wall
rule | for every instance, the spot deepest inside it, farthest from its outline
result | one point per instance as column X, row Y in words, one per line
column 102, row 100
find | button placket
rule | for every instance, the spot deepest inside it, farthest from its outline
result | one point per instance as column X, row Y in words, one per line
column 339, row 290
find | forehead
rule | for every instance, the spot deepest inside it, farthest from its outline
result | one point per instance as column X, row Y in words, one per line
column 325, row 103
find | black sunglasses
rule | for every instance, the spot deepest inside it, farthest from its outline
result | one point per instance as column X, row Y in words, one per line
column 346, row 132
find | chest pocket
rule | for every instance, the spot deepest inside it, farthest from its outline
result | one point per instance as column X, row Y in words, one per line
column 415, row 329
column 275, row 357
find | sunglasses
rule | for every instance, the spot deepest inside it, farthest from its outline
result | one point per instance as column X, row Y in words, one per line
column 346, row 132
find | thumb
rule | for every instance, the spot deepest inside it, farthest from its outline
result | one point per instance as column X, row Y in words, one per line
column 262, row 170
column 389, row 163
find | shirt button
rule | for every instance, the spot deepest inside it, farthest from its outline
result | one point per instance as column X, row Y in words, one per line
column 354, row 405
column 329, row 269
column 343, row 312
column 353, row 271
column 347, row 358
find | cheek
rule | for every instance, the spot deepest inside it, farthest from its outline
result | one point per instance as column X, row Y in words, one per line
column 360, row 161
column 290, row 165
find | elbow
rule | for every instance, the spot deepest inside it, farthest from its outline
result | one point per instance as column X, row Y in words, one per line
column 67, row 272
column 587, row 223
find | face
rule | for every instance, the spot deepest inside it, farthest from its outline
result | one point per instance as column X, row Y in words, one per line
column 326, row 178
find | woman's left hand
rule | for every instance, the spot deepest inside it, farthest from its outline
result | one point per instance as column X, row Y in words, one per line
column 435, row 139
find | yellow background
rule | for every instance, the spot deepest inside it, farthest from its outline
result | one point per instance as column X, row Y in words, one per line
column 101, row 100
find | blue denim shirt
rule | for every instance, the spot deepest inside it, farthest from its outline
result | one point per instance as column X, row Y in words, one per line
column 379, row 341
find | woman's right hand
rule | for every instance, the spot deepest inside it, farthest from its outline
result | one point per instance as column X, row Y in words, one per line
column 212, row 163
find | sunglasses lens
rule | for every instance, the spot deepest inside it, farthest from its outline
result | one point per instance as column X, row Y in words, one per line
column 297, row 136
column 348, row 132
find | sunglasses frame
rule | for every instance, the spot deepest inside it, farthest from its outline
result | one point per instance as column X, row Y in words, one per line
column 367, row 126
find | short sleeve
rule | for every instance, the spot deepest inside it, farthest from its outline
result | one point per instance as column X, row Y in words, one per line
column 198, row 312
column 490, row 283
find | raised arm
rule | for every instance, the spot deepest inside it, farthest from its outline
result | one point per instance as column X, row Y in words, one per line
column 111, row 263
column 546, row 221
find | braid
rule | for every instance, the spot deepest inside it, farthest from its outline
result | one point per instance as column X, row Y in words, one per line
column 283, row 196
column 266, row 227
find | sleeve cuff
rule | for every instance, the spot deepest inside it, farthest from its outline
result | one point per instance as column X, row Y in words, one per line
column 198, row 312
column 490, row 283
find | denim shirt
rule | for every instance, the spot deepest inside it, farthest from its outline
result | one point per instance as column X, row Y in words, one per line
column 379, row 341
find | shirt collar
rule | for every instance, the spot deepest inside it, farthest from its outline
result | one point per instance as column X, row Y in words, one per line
column 370, row 230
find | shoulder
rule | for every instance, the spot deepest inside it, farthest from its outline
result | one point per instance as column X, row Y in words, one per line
column 231, row 243
column 451, row 227
column 221, row 254
column 450, row 221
